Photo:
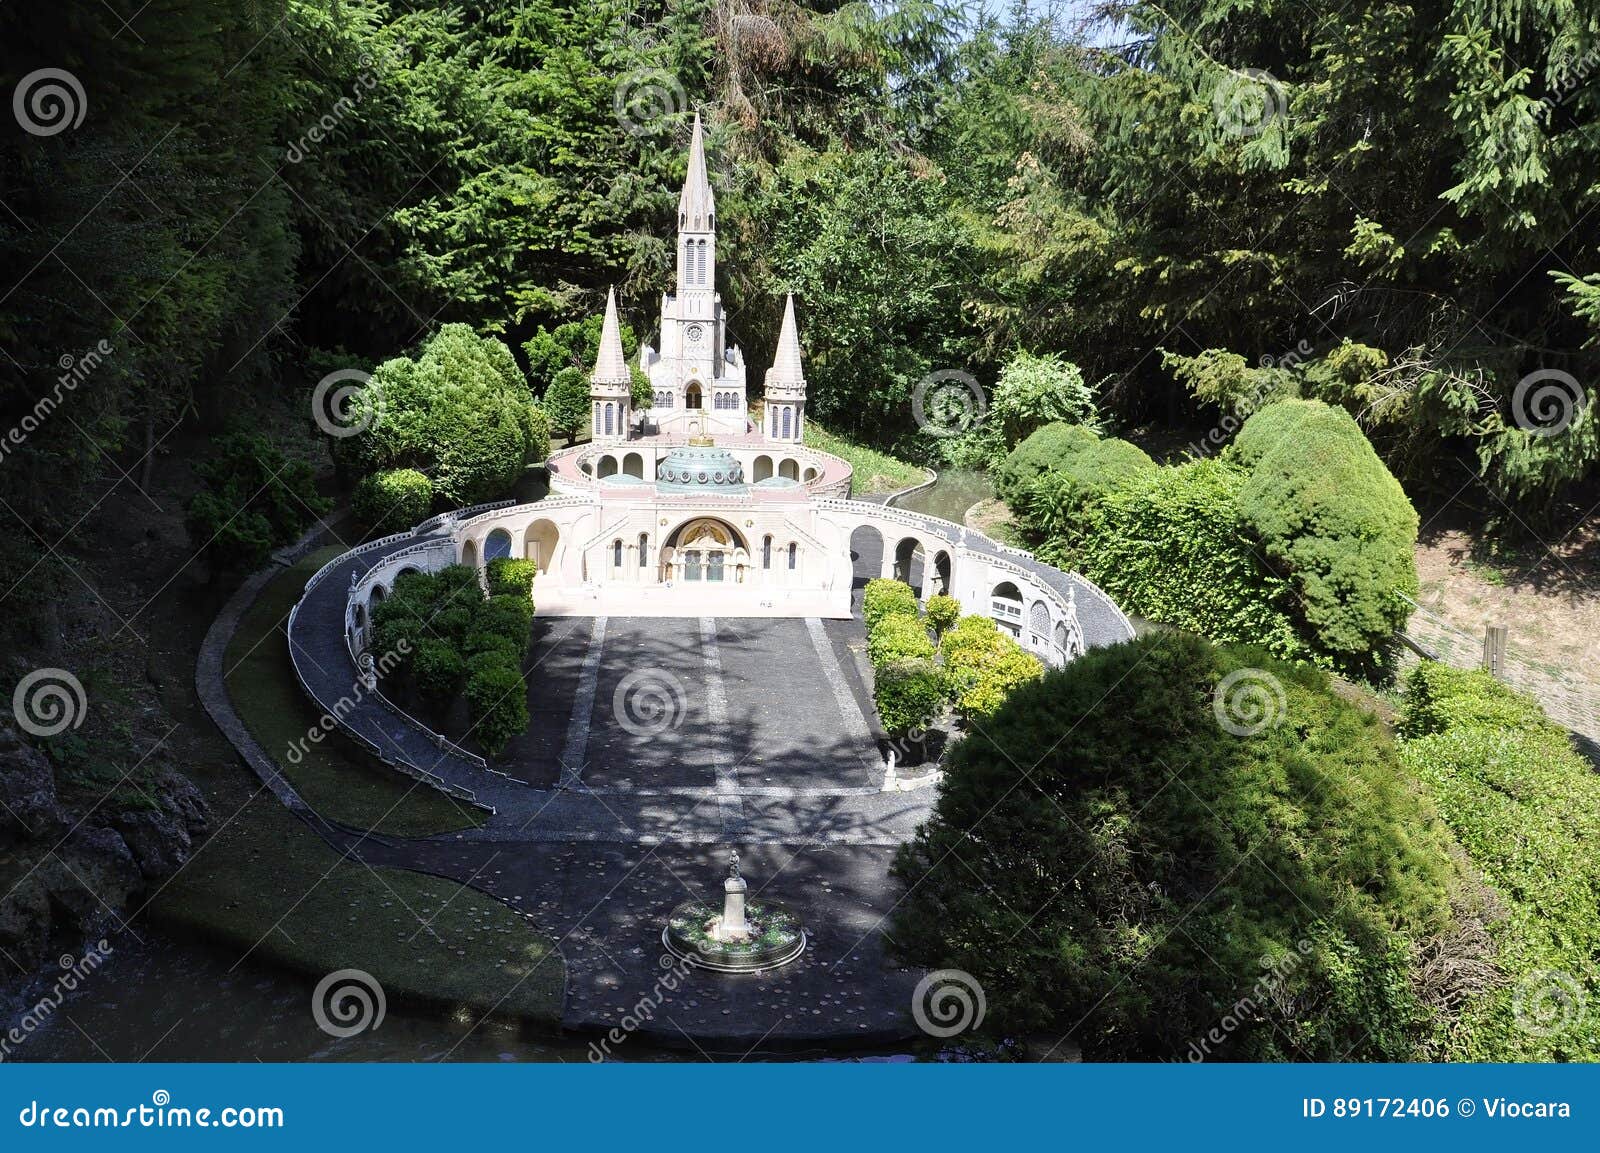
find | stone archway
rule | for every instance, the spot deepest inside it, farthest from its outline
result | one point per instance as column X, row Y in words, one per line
column 539, row 543
column 469, row 552
column 761, row 469
column 789, row 468
column 692, row 395
column 704, row 549
column 909, row 561
column 607, row 467
column 1005, row 605
column 942, row 572
column 633, row 465
column 496, row 545
column 866, row 555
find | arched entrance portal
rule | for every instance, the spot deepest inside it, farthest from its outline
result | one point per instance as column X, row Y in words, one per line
column 909, row 562
column 866, row 555
column 496, row 545
column 539, row 543
column 705, row 551
column 941, row 572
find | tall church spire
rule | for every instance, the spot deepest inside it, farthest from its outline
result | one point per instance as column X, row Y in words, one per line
column 786, row 365
column 697, row 207
column 611, row 365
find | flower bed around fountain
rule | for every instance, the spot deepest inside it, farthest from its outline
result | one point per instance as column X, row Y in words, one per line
column 775, row 937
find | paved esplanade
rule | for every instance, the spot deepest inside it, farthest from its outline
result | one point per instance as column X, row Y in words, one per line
column 600, row 828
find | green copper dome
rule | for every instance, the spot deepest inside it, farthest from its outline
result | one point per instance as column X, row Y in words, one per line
column 697, row 468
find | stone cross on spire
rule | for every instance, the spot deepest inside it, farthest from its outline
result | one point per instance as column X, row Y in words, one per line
column 611, row 365
column 697, row 207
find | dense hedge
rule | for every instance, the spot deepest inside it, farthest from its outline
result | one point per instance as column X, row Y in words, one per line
column 899, row 637
column 1170, row 547
column 1526, row 808
column 451, row 638
column 1045, row 450
column 511, row 577
column 983, row 666
column 909, row 693
column 1266, row 907
column 392, row 500
column 1330, row 516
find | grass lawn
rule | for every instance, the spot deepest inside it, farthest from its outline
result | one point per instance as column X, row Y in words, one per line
column 875, row 472
column 337, row 779
column 269, row 887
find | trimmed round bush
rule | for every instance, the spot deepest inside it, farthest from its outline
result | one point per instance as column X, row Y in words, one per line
column 983, row 665
column 438, row 670
column 508, row 576
column 942, row 612
column 1053, row 504
column 898, row 637
column 497, row 701
column 909, row 695
column 1045, row 450
column 1330, row 515
column 882, row 597
column 392, row 500
column 1299, row 857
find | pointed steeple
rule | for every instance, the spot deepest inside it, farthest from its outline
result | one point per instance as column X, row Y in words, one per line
column 786, row 367
column 697, row 207
column 611, row 365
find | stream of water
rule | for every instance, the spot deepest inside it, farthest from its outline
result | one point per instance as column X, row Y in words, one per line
column 952, row 494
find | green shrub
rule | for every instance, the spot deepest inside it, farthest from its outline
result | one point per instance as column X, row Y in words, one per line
column 1439, row 697
column 884, row 597
column 539, row 431
column 566, row 402
column 909, row 695
column 508, row 576
column 1047, row 449
column 1034, row 391
column 1137, row 875
column 1526, row 808
column 1328, row 513
column 461, row 411
column 252, row 499
column 392, row 500
column 438, row 670
column 898, row 637
column 942, row 612
column 983, row 666
column 1170, row 547
column 1054, row 503
column 497, row 701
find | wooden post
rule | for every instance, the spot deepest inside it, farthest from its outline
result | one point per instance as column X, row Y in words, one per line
column 1494, row 649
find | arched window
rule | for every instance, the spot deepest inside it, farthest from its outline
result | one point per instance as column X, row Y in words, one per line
column 788, row 423
column 644, row 549
column 766, row 552
column 608, row 419
column 794, row 550
column 616, row 554
column 700, row 263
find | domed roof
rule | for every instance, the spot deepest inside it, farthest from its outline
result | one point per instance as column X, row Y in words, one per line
column 700, row 468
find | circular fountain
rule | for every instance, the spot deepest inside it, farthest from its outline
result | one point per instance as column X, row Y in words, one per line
column 744, row 936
